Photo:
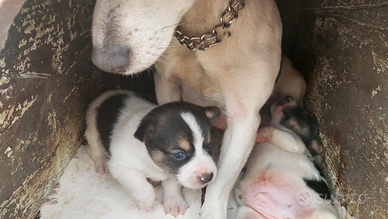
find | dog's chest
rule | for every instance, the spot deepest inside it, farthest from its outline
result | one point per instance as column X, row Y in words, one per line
column 198, row 82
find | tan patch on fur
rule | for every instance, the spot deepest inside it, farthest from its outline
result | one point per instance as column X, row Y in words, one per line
column 297, row 128
column 154, row 183
column 184, row 144
column 162, row 119
column 157, row 157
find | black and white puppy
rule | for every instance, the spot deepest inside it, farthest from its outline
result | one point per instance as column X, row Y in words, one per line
column 170, row 143
column 282, row 180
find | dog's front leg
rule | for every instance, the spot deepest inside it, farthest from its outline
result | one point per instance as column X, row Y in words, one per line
column 136, row 184
column 238, row 142
column 173, row 201
column 167, row 89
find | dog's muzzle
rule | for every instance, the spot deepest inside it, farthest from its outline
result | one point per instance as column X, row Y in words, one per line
column 112, row 59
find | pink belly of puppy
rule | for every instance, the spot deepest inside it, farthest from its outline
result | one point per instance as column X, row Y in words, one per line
column 273, row 194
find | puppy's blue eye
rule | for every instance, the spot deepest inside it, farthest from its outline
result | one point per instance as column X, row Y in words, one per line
column 179, row 156
column 210, row 145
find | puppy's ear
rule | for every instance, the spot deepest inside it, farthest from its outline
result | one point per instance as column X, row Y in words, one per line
column 144, row 131
column 212, row 112
column 316, row 147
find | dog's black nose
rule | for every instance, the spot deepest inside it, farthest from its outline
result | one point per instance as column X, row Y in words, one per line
column 114, row 59
column 207, row 177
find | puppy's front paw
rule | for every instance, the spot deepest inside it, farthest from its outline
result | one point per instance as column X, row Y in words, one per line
column 175, row 206
column 101, row 165
column 144, row 201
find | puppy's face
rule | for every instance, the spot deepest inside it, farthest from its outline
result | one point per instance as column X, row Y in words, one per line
column 130, row 35
column 178, row 139
column 278, row 107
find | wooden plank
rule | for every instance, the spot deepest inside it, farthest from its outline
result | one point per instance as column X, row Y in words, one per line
column 341, row 47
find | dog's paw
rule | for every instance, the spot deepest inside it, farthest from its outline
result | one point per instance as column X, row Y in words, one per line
column 144, row 201
column 145, row 198
column 175, row 206
column 101, row 165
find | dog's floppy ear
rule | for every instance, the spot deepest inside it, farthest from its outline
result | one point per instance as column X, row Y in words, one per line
column 145, row 130
column 212, row 112
column 316, row 147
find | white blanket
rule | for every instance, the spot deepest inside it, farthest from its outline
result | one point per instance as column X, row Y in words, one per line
column 83, row 193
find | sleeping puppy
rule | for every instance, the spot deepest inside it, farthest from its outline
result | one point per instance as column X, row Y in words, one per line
column 282, row 179
column 290, row 82
column 169, row 143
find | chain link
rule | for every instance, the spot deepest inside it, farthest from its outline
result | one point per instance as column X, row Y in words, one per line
column 207, row 40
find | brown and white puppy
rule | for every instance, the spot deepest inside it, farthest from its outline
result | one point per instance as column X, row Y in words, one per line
column 237, row 75
column 290, row 83
column 282, row 179
column 170, row 143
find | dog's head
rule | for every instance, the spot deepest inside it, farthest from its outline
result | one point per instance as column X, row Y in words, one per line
column 178, row 138
column 299, row 120
column 130, row 35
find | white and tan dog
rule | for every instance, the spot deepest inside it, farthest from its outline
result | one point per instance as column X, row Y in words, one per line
column 236, row 75
column 170, row 143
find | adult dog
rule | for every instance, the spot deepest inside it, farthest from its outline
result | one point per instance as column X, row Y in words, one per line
column 237, row 71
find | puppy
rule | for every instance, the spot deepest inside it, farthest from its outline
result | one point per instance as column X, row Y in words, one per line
column 170, row 143
column 232, row 60
column 282, row 179
column 290, row 82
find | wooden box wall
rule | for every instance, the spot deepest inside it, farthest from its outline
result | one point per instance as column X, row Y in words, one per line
column 47, row 80
column 341, row 47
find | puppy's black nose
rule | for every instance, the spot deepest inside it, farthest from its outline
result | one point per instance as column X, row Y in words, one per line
column 207, row 177
column 114, row 59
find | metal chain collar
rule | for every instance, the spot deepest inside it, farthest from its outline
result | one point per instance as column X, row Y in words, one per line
column 210, row 39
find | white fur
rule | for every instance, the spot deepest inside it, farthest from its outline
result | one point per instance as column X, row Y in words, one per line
column 130, row 162
column 238, row 75
column 155, row 22
column 196, row 130
column 201, row 163
column 87, row 195
column 97, row 151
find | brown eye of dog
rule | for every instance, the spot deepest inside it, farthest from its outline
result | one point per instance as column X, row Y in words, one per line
column 210, row 145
